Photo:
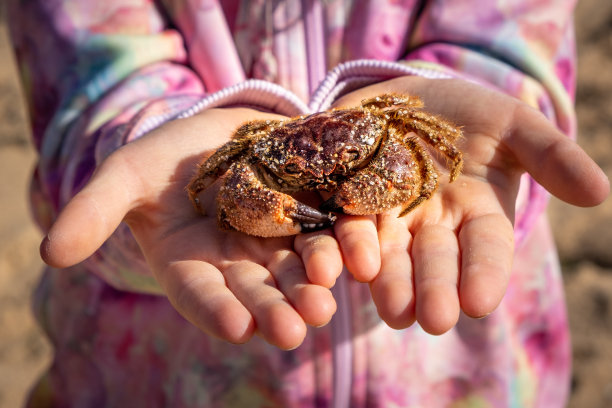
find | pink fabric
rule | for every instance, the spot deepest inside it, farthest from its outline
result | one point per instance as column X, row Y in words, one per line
column 98, row 74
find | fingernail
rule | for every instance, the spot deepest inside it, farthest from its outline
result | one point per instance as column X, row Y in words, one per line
column 44, row 247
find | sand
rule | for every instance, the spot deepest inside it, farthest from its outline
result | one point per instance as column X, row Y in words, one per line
column 584, row 236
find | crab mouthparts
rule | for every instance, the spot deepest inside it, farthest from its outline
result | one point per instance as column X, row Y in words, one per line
column 331, row 206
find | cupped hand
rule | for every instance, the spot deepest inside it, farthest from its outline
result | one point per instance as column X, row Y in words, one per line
column 229, row 284
column 454, row 252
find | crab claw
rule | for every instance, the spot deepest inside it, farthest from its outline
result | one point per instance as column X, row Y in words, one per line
column 310, row 219
column 245, row 203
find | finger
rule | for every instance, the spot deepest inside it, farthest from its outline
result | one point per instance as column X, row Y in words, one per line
column 487, row 247
column 321, row 257
column 435, row 255
column 314, row 303
column 277, row 321
column 198, row 292
column 358, row 240
column 555, row 161
column 91, row 216
column 392, row 289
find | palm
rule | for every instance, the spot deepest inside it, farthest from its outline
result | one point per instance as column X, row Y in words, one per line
column 455, row 251
column 228, row 284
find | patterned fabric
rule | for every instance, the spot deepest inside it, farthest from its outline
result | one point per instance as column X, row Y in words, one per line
column 98, row 74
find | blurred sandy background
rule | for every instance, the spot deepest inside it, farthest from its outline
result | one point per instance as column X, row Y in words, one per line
column 584, row 235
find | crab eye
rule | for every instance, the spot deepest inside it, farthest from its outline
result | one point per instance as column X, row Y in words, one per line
column 292, row 168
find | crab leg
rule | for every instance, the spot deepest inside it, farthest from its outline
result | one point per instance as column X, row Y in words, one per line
column 392, row 100
column 437, row 132
column 245, row 203
column 429, row 175
column 217, row 164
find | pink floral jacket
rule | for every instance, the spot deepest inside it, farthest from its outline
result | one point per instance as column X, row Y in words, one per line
column 98, row 74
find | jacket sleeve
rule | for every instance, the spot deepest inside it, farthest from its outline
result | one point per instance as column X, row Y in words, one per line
column 90, row 70
column 523, row 48
column 98, row 75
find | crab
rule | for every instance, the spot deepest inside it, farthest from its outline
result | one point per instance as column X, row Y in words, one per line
column 370, row 158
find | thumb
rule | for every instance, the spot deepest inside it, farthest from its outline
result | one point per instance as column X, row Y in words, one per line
column 555, row 161
column 92, row 215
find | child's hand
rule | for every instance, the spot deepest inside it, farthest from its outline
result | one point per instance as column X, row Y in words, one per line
column 228, row 284
column 455, row 250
